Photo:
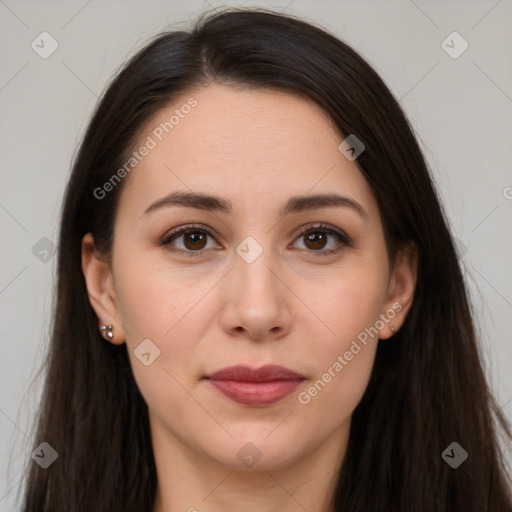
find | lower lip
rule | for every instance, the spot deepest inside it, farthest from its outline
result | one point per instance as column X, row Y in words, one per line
column 256, row 393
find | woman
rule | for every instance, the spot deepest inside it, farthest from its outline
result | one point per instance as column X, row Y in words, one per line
column 259, row 303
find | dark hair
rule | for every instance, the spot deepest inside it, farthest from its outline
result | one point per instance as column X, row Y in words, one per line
column 427, row 388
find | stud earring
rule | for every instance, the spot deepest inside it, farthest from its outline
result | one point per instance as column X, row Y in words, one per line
column 391, row 327
column 106, row 331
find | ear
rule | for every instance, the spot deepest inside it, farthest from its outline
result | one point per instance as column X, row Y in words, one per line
column 401, row 288
column 100, row 288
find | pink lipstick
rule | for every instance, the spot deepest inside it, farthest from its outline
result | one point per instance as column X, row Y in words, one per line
column 256, row 386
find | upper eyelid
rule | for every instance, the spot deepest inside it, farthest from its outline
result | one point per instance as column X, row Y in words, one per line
column 182, row 229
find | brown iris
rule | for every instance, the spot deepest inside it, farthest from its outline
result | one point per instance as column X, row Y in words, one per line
column 196, row 239
column 315, row 239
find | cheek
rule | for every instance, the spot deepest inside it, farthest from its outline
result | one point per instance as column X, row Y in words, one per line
column 163, row 307
column 156, row 297
column 165, row 311
column 345, row 353
column 339, row 387
column 349, row 304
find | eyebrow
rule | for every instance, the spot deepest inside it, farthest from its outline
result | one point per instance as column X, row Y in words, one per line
column 223, row 205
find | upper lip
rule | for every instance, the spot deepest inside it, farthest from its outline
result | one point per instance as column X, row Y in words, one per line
column 266, row 373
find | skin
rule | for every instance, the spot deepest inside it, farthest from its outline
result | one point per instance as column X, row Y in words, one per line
column 256, row 148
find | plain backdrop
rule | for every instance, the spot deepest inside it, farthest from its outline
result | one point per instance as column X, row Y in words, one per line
column 460, row 109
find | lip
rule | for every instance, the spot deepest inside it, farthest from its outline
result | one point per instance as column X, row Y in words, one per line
column 256, row 386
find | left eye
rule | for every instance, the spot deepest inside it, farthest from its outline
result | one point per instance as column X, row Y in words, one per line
column 318, row 235
column 194, row 239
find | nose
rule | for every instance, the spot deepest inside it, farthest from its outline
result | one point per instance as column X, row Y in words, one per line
column 256, row 300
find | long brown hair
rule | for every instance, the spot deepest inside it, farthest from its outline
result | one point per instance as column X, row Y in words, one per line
column 427, row 389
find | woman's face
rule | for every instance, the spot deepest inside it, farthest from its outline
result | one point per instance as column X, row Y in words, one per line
column 245, row 286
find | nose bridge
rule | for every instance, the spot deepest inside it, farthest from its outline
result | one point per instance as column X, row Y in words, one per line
column 255, row 301
column 252, row 268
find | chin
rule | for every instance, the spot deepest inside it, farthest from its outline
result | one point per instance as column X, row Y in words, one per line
column 257, row 453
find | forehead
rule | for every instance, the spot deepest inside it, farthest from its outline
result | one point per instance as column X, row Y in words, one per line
column 257, row 147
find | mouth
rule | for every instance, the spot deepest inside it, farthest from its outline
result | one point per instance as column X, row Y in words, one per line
column 255, row 386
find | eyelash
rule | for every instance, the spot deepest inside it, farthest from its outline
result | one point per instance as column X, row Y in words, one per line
column 344, row 239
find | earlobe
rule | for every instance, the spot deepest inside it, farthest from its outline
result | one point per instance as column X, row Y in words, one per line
column 100, row 290
column 401, row 290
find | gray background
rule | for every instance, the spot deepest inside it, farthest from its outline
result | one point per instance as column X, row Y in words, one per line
column 460, row 109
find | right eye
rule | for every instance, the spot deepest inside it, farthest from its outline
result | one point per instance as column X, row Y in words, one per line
column 194, row 239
